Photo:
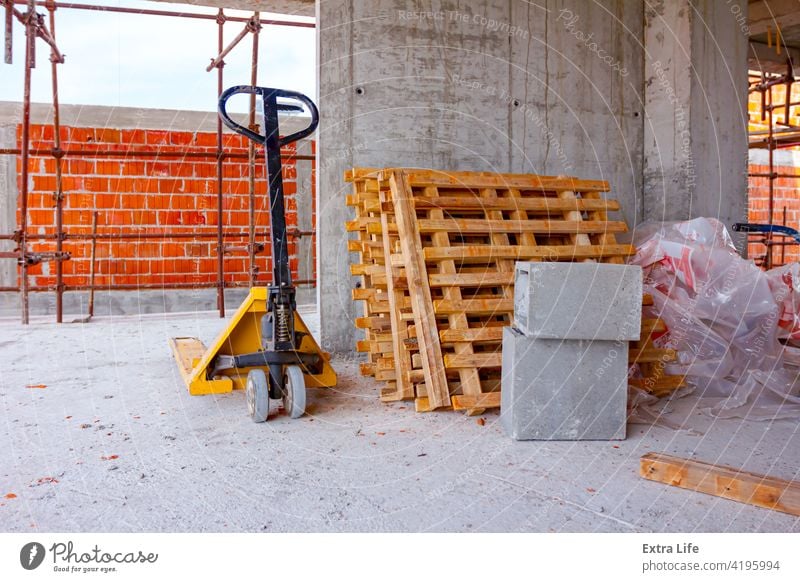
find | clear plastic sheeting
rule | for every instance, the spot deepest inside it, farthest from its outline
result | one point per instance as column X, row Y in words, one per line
column 725, row 317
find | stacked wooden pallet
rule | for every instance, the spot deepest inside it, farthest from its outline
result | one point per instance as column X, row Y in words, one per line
column 436, row 266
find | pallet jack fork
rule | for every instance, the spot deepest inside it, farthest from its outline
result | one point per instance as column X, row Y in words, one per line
column 266, row 349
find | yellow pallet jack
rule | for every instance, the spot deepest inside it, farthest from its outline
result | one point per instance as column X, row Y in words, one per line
column 266, row 349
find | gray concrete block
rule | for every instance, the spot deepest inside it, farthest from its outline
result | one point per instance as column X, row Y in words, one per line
column 563, row 389
column 597, row 301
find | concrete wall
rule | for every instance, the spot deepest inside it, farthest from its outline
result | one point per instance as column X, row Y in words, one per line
column 547, row 87
column 696, row 103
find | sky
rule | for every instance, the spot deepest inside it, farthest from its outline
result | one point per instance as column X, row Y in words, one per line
column 132, row 60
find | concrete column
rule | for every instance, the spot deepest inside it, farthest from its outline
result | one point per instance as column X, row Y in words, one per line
column 305, row 255
column 577, row 105
column 8, row 203
column 695, row 151
column 548, row 87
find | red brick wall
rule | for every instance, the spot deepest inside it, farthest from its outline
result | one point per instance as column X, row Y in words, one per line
column 149, row 196
column 786, row 194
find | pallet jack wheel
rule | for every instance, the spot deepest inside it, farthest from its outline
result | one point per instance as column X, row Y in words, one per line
column 294, row 392
column 257, row 393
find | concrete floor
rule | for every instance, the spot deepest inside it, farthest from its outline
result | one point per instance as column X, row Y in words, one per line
column 115, row 443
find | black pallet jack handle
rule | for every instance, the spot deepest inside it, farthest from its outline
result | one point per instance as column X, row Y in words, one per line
column 281, row 292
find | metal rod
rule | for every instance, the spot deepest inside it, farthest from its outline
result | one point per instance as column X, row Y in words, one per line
column 145, row 154
column 44, row 34
column 224, row 52
column 145, row 286
column 9, row 36
column 783, row 248
column 59, row 194
column 40, row 29
column 153, row 236
column 251, row 166
column 93, row 259
column 220, row 159
column 771, row 202
column 195, row 15
column 30, row 40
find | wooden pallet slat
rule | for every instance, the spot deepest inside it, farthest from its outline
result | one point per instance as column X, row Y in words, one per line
column 416, row 274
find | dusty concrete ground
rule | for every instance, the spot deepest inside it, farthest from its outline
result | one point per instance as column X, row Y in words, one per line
column 113, row 442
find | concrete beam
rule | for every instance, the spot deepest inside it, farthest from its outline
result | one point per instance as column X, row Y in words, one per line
column 764, row 57
column 289, row 7
column 772, row 14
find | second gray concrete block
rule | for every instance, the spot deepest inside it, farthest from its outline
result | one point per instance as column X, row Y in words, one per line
column 563, row 389
column 597, row 301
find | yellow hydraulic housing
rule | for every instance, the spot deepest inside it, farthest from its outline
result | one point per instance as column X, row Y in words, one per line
column 242, row 336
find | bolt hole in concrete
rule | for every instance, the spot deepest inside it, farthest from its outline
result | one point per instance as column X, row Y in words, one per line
column 359, row 90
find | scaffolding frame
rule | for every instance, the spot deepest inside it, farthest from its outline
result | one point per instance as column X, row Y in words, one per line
column 787, row 137
column 36, row 26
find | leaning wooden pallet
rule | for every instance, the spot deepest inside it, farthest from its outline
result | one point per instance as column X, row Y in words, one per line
column 461, row 232
column 475, row 295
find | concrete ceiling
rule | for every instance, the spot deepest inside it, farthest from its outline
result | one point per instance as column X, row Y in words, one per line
column 772, row 15
column 289, row 7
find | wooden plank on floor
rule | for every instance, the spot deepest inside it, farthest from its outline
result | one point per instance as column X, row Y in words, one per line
column 722, row 481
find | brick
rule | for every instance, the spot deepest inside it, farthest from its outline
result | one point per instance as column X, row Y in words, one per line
column 77, row 217
column 79, row 166
column 77, row 200
column 205, row 170
column 169, row 217
column 563, row 389
column 132, row 168
column 193, row 217
column 145, row 217
column 44, row 183
column 181, row 169
column 104, row 200
column 144, row 185
column 205, row 139
column 157, row 169
column 133, row 136
column 156, row 137
column 180, row 138
column 106, row 135
column 108, row 167
column 40, row 200
column 118, row 217
column 36, row 217
column 170, row 186
column 200, row 186
column 42, row 132
column 95, row 184
column 132, row 201
column 80, row 134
